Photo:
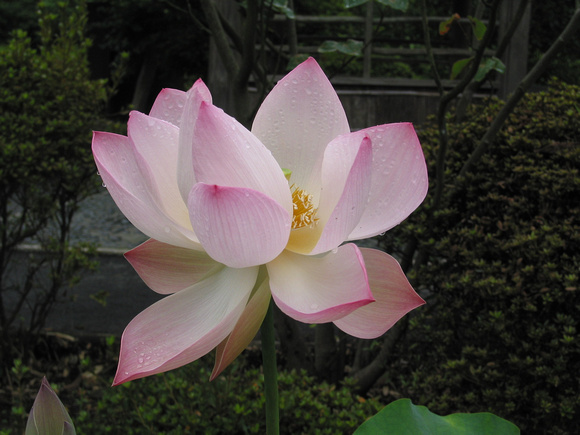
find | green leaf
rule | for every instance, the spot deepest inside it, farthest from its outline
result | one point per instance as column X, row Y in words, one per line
column 402, row 417
column 281, row 6
column 400, row 5
column 459, row 66
column 353, row 3
column 491, row 64
column 479, row 28
column 350, row 47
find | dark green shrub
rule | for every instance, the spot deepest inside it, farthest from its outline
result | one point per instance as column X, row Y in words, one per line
column 48, row 107
column 500, row 329
column 184, row 401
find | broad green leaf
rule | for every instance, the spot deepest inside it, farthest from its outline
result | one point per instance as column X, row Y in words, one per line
column 281, row 6
column 479, row 28
column 491, row 64
column 459, row 66
column 350, row 47
column 353, row 3
column 402, row 417
column 400, row 5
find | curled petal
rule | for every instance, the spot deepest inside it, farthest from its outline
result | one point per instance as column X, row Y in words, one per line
column 185, row 176
column 399, row 178
column 236, row 226
column 394, row 298
column 245, row 330
column 227, row 154
column 185, row 325
column 298, row 119
column 353, row 187
column 319, row 289
column 131, row 184
column 157, row 142
column 168, row 269
column 168, row 106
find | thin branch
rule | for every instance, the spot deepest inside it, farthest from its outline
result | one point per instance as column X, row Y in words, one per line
column 220, row 37
column 520, row 91
column 429, row 48
column 450, row 96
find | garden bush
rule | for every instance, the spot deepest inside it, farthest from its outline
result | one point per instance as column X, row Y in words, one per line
column 499, row 332
column 48, row 107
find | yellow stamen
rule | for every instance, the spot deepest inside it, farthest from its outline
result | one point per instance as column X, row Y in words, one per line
column 304, row 211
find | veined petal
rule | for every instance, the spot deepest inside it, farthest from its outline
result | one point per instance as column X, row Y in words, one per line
column 246, row 329
column 298, row 119
column 185, row 175
column 131, row 185
column 168, row 269
column 48, row 415
column 339, row 216
column 227, row 154
column 157, row 142
column 169, row 105
column 185, row 325
column 238, row 227
column 319, row 289
column 399, row 178
column 394, row 298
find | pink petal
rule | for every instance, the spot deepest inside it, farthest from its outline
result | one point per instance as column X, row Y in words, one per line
column 227, row 154
column 157, row 142
column 346, row 184
column 131, row 184
column 394, row 298
column 236, row 226
column 168, row 269
column 399, row 178
column 185, row 176
column 168, row 106
column 319, row 289
column 185, row 325
column 298, row 119
column 245, row 330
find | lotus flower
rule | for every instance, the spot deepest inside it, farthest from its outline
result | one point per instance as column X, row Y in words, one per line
column 236, row 217
column 48, row 416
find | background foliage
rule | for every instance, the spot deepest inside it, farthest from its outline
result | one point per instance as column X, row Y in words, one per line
column 500, row 329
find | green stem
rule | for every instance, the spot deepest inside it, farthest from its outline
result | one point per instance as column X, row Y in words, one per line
column 270, row 373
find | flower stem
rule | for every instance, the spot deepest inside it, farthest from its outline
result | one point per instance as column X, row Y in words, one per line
column 270, row 373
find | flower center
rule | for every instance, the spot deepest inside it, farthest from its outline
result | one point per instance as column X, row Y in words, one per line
column 304, row 211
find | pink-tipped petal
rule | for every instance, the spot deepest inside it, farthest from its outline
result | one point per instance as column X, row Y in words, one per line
column 185, row 176
column 168, row 106
column 298, row 119
column 157, row 142
column 245, row 330
column 399, row 178
column 394, row 298
column 236, row 226
column 319, row 289
column 131, row 184
column 168, row 269
column 227, row 154
column 350, row 181
column 185, row 325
